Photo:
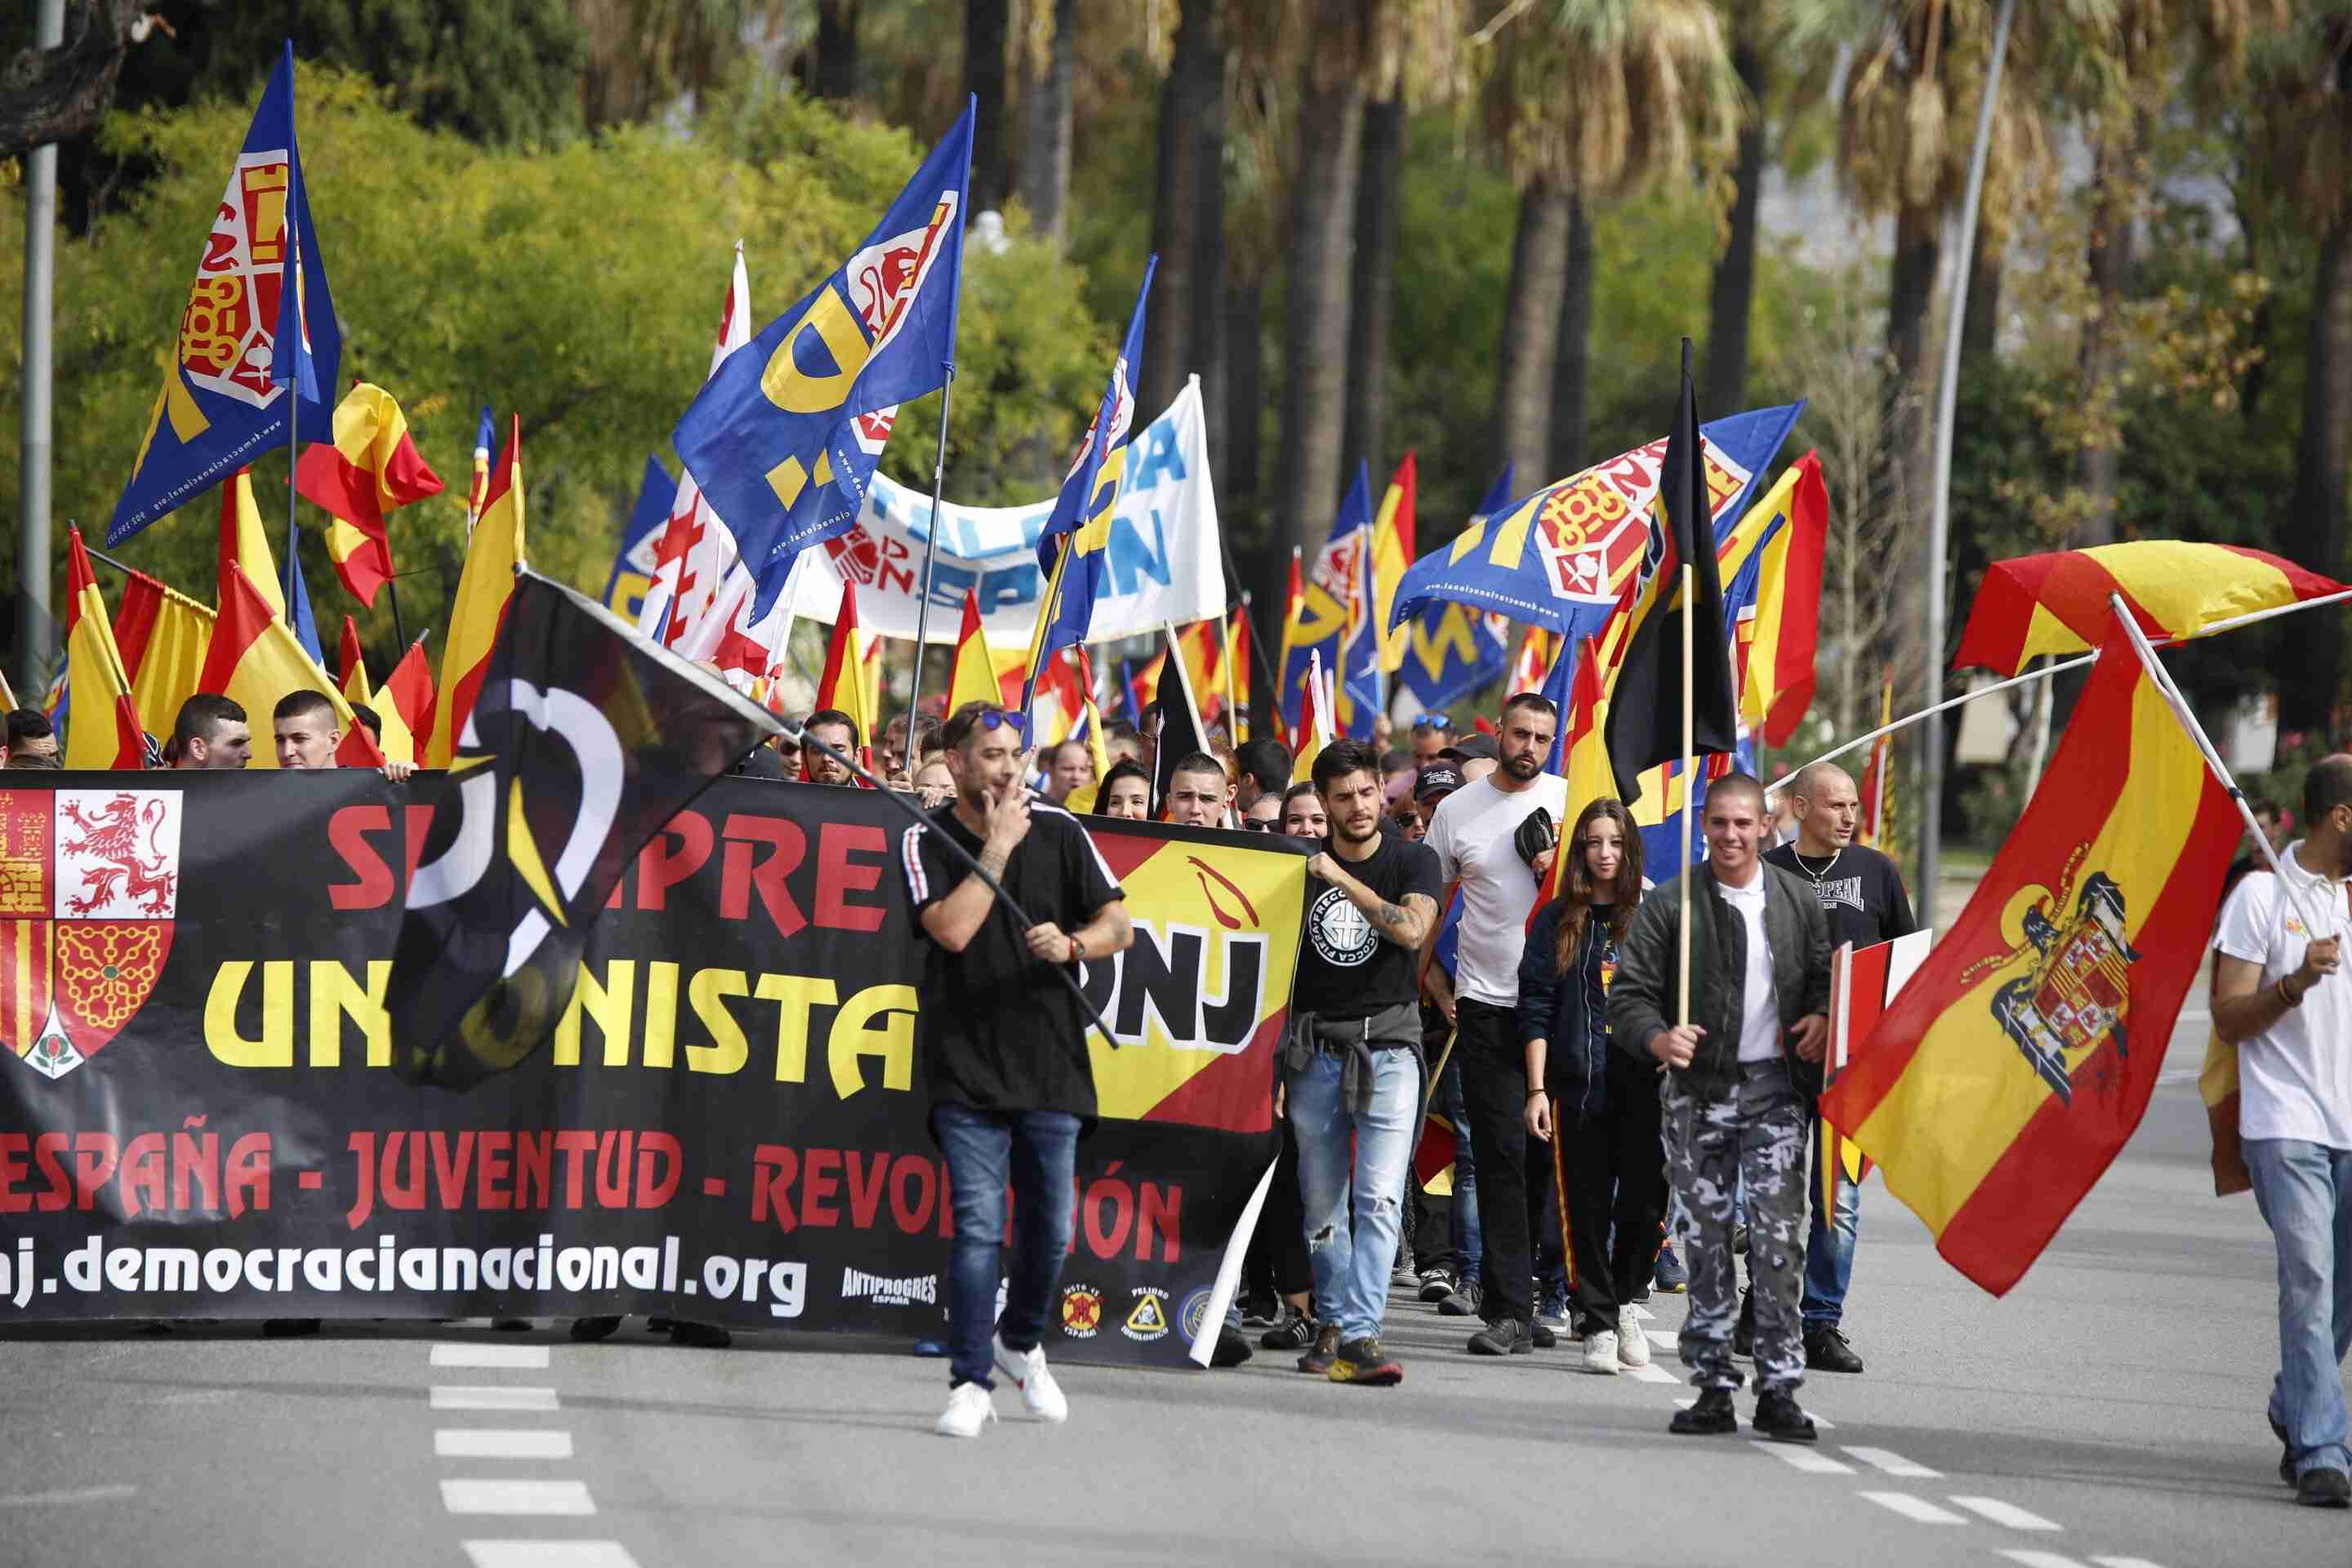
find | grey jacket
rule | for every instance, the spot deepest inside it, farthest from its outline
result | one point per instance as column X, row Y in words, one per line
column 1642, row 996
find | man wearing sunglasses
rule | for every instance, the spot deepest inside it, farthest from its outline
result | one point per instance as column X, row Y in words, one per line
column 1004, row 1049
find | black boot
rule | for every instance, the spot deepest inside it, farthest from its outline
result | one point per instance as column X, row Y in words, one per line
column 1710, row 1416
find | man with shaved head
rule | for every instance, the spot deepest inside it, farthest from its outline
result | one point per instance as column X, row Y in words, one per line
column 1862, row 897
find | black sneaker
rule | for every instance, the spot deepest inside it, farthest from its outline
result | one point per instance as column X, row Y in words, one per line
column 699, row 1336
column 1363, row 1361
column 2325, row 1487
column 1263, row 1312
column 1508, row 1337
column 1743, row 1333
column 1323, row 1352
column 1295, row 1332
column 1827, row 1350
column 1232, row 1347
column 1542, row 1338
column 1436, row 1285
column 1778, row 1418
column 1668, row 1273
column 587, row 1329
column 1464, row 1300
column 1710, row 1416
column 2286, row 1449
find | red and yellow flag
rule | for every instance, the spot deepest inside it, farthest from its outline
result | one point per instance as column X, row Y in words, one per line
column 244, row 546
column 1870, row 823
column 162, row 636
column 1584, row 758
column 1237, row 674
column 844, row 685
column 255, row 660
column 973, row 676
column 353, row 665
column 483, row 589
column 405, row 705
column 1294, row 601
column 371, row 467
column 1392, row 551
column 1536, row 651
column 1203, row 643
column 2015, row 1065
column 104, row 731
column 2057, row 603
column 1777, row 685
column 1317, row 725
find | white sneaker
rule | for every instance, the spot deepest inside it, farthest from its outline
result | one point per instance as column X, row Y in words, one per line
column 1632, row 1345
column 1633, row 1312
column 1038, row 1389
column 969, row 1407
column 1600, row 1352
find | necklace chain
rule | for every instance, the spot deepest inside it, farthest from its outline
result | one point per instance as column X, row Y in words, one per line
column 1808, row 871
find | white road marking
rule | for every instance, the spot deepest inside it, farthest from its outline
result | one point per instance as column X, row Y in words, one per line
column 1823, row 1421
column 1894, row 1464
column 2007, row 1513
column 1917, row 1509
column 448, row 1396
column 2126, row 1563
column 500, row 1442
column 521, row 1358
column 548, row 1554
column 1805, row 1459
column 69, row 1494
column 2040, row 1559
column 1669, row 1343
column 1651, row 1374
column 474, row 1495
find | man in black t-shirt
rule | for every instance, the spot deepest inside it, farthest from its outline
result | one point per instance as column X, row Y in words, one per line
column 1004, row 1048
column 1862, row 897
column 1351, row 1073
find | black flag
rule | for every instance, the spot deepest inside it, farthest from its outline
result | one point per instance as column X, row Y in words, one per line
column 584, row 740
column 1645, row 707
column 1180, row 738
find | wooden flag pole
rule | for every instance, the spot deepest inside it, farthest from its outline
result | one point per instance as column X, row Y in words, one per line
column 1690, row 743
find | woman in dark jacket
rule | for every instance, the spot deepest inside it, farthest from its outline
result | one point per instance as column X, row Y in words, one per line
column 1597, row 1108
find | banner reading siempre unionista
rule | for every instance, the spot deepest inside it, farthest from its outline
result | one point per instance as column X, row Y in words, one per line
column 200, row 1117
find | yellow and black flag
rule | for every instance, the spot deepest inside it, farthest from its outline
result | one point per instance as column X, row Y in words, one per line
column 583, row 741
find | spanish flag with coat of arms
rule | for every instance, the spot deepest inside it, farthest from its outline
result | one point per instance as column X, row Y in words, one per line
column 2016, row 1064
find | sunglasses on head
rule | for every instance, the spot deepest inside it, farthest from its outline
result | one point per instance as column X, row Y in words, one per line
column 1433, row 722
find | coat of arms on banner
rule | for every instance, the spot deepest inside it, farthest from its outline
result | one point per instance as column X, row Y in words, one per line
column 89, row 885
column 2077, row 994
column 228, row 332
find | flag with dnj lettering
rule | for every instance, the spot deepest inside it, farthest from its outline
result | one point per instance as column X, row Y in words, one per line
column 162, row 636
column 2018, row 1061
column 1074, row 550
column 258, row 312
column 1863, row 982
column 1333, row 622
column 582, row 742
column 1394, row 527
column 370, row 467
column 492, row 556
column 632, row 564
column 106, row 733
column 784, row 437
column 2057, row 603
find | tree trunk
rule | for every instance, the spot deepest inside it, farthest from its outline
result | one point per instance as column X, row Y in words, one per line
column 2314, row 667
column 1187, row 212
column 1910, row 296
column 1205, row 307
column 1046, row 128
column 1243, row 323
column 1569, row 437
column 987, row 29
column 1379, row 194
column 2098, row 462
column 1732, row 299
column 836, row 49
column 1528, row 355
column 1980, row 333
column 1321, row 220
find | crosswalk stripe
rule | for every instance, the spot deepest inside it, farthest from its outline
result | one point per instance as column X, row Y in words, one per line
column 2126, row 1563
column 528, row 1358
column 1918, row 1509
column 548, row 1554
column 1805, row 1459
column 2000, row 1512
column 2029, row 1558
column 450, row 1396
column 500, row 1442
column 1894, row 1464
column 478, row 1495
column 1651, row 1374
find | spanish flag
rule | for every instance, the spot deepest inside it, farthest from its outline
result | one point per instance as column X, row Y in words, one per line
column 483, row 589
column 1776, row 685
column 255, row 660
column 404, row 704
column 104, row 732
column 973, row 676
column 1317, row 723
column 244, row 546
column 843, row 687
column 162, row 636
column 1537, row 655
column 1237, row 675
column 2057, row 603
column 1204, row 644
column 2018, row 1061
column 1393, row 551
column 371, row 468
column 351, row 665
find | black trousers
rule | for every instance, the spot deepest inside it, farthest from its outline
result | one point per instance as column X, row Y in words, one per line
column 1615, row 1169
column 1277, row 1250
column 1494, row 1095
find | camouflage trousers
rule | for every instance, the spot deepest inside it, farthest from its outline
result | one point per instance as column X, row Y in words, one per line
column 1754, row 1139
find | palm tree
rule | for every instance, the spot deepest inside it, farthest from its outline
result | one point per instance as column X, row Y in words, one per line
column 987, row 38
column 1379, row 192
column 1732, row 296
column 836, row 49
column 1183, row 330
column 1583, row 101
column 1049, row 57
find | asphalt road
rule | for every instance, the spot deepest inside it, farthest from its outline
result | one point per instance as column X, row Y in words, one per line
column 2108, row 1412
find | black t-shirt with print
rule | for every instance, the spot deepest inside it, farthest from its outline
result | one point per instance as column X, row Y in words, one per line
column 1347, row 969
column 1860, row 890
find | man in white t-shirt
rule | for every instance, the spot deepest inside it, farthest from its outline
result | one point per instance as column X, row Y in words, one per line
column 1476, row 834
column 2293, row 1027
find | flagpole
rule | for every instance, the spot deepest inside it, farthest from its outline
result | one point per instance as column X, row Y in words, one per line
column 2220, row 770
column 1184, row 684
column 1232, row 704
column 1690, row 744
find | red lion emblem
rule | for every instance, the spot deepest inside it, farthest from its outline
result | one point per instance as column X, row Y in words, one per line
column 112, row 836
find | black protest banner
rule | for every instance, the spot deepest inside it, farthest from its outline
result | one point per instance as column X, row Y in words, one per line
column 201, row 1118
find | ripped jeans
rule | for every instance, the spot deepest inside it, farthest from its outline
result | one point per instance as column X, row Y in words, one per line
column 1351, row 1267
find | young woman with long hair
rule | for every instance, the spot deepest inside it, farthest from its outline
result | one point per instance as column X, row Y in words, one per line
column 1598, row 1107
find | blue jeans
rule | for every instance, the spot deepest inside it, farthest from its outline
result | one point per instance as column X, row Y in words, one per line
column 2304, row 1191
column 1466, row 1248
column 1829, row 1247
column 1351, row 1265
column 1037, row 1152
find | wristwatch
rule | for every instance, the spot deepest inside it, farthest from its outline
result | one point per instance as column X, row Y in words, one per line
column 1078, row 951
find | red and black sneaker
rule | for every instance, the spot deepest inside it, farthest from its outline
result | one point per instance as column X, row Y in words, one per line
column 1363, row 1361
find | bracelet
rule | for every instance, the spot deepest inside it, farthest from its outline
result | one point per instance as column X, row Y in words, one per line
column 1078, row 951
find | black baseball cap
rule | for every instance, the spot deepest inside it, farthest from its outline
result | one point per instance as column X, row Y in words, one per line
column 1436, row 781
column 1471, row 748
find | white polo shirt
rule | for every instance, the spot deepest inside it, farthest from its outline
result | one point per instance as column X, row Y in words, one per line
column 2295, row 1078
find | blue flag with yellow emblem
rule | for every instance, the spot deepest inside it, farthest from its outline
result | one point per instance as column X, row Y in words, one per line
column 1073, row 550
column 259, row 316
column 784, row 437
column 1453, row 650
